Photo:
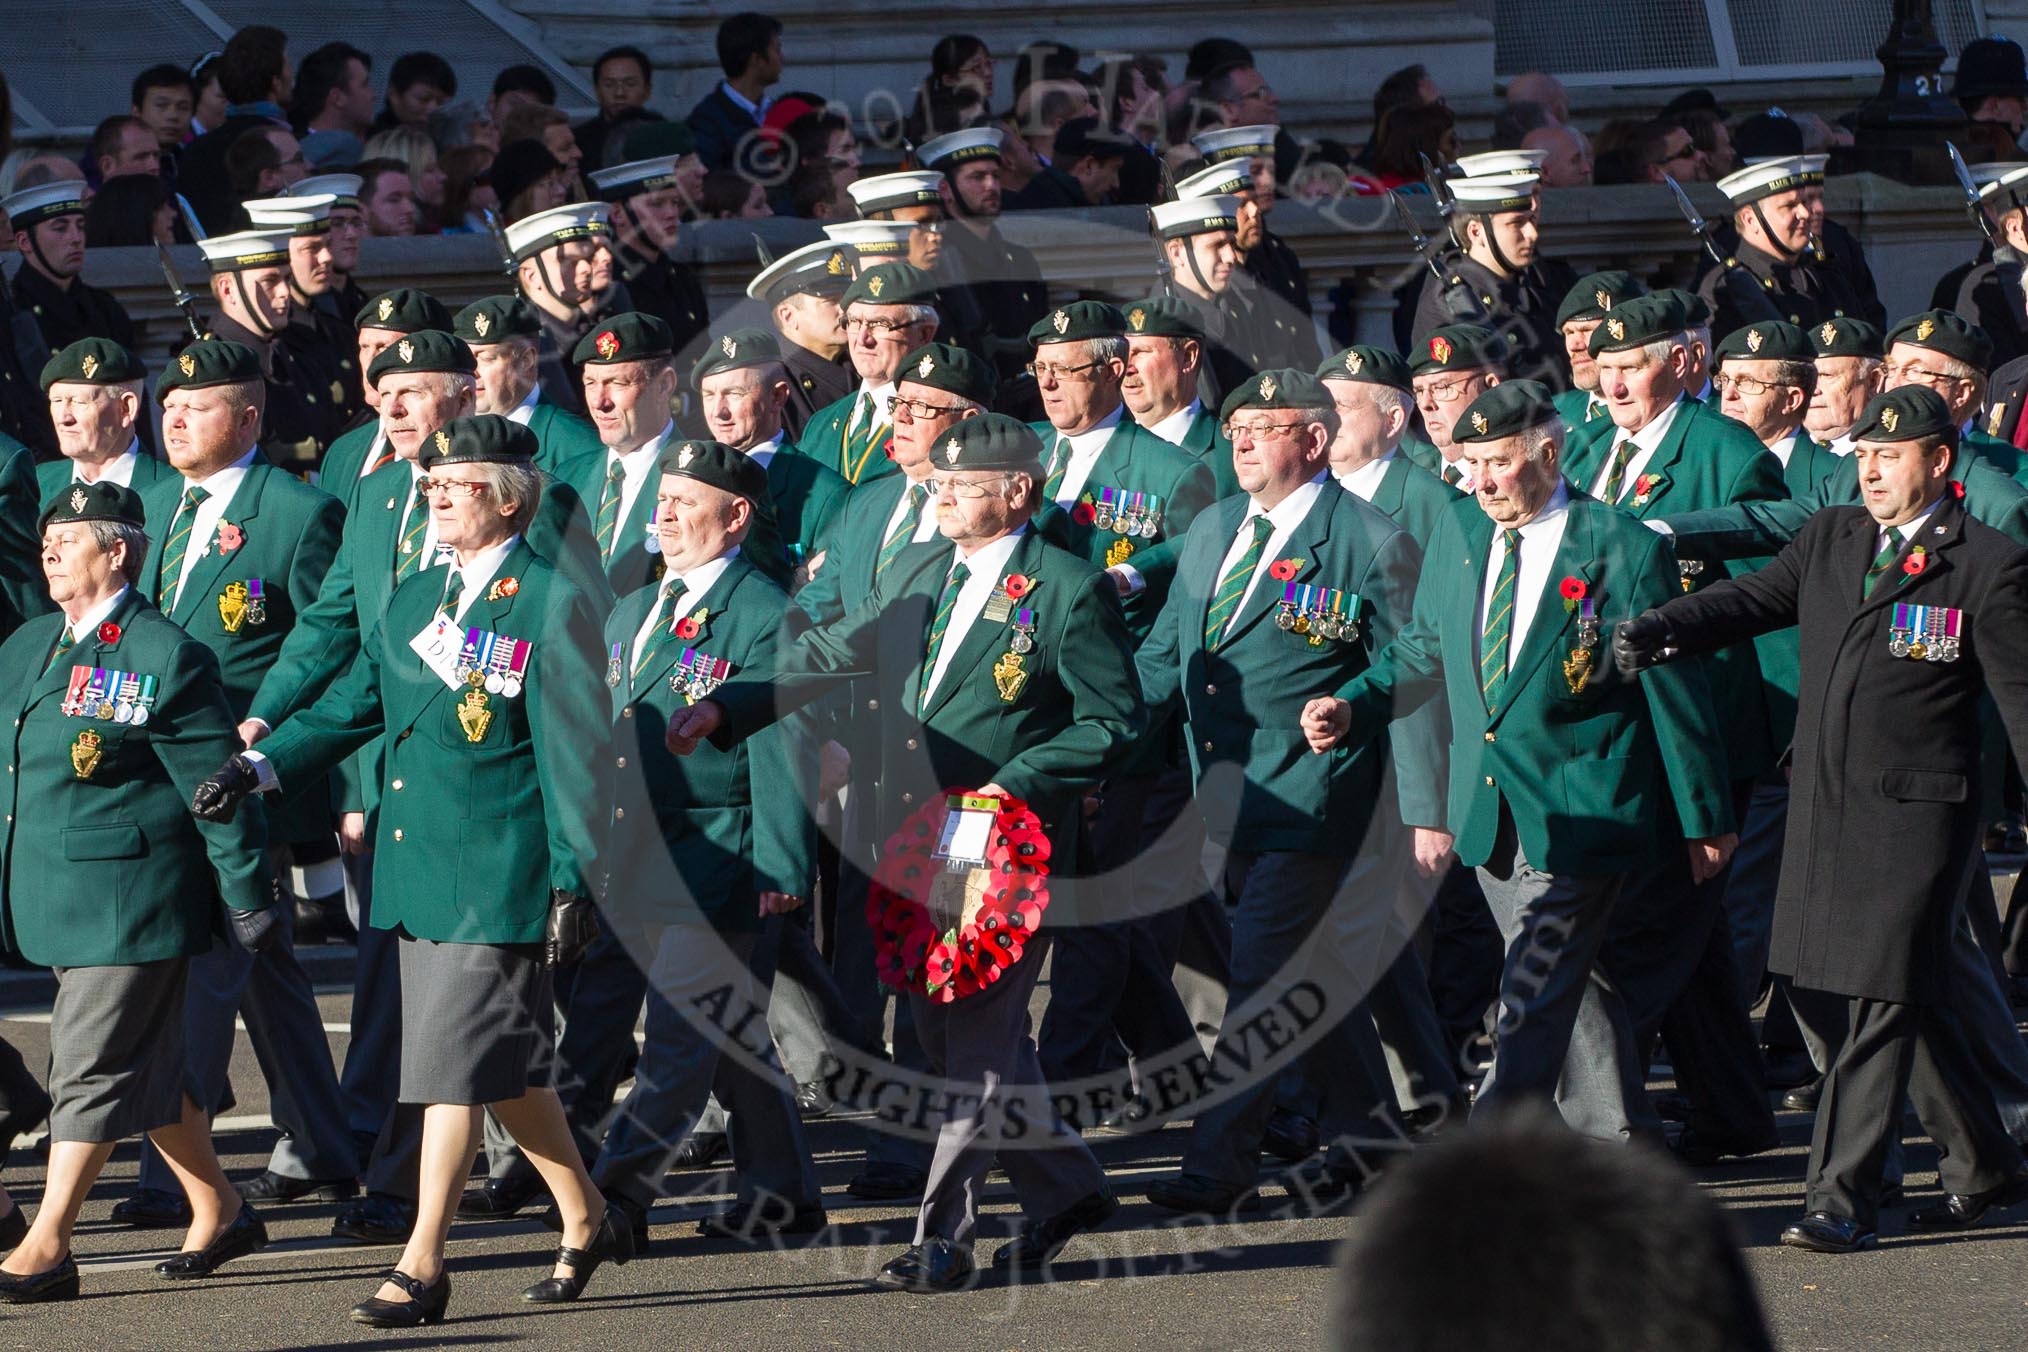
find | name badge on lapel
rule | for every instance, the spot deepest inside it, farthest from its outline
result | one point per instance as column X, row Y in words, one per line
column 1926, row 633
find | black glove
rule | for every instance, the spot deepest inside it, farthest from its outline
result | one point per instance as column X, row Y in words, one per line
column 573, row 924
column 217, row 798
column 1640, row 642
column 255, row 931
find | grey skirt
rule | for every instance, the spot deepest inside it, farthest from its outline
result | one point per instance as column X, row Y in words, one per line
column 478, row 1022
column 116, row 1050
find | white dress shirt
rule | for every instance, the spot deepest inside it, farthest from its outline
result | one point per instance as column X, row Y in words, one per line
column 89, row 622
column 118, row 470
column 1645, row 441
column 1840, row 445
column 880, row 394
column 1285, row 516
column 1783, row 449
column 640, row 467
column 985, row 565
column 1364, row 482
column 1084, row 454
column 525, row 410
column 926, row 517
column 478, row 573
column 221, row 486
column 1176, row 426
column 689, row 589
column 1540, row 539
column 401, row 519
column 765, row 452
column 1907, row 529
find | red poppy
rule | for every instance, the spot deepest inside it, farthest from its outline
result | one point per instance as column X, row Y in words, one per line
column 887, row 448
column 1084, row 514
column 1957, row 489
column 230, row 537
column 1573, row 589
column 1017, row 585
column 686, row 628
column 507, row 586
column 109, row 632
column 1917, row 560
column 1284, row 570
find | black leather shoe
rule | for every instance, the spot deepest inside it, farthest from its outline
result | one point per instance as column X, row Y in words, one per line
column 1803, row 1098
column 932, row 1267
column 885, row 1181
column 1823, row 1232
column 749, row 1223
column 1290, row 1137
column 245, row 1235
column 1040, row 1242
column 1701, row 1148
column 1192, row 1193
column 1787, row 1070
column 1317, row 1186
column 375, row 1218
column 153, row 1209
column 1963, row 1210
column 273, row 1187
column 613, row 1241
column 499, row 1198
column 426, row 1304
column 701, row 1148
column 637, row 1220
column 812, row 1101
column 13, row 1229
column 59, row 1283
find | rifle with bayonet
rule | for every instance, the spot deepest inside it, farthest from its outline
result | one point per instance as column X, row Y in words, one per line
column 499, row 234
column 1749, row 295
column 2007, row 263
column 184, row 301
column 1460, row 302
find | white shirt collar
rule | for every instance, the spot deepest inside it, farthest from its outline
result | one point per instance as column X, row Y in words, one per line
column 1649, row 437
column 991, row 557
column 90, row 621
column 1290, row 510
column 525, row 410
column 1176, row 426
column 1782, row 448
column 120, row 469
column 879, row 394
column 479, row 572
column 700, row 579
column 223, row 483
column 1094, row 438
column 765, row 451
column 1551, row 515
column 1364, row 482
column 756, row 111
column 1909, row 529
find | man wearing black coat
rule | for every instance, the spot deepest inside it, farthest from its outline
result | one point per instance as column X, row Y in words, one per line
column 1909, row 612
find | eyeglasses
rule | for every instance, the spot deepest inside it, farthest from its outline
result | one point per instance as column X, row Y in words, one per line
column 1902, row 375
column 966, row 488
column 470, row 488
column 1043, row 370
column 1747, row 385
column 878, row 328
column 919, row 408
column 1450, row 391
column 929, row 227
column 1258, row 431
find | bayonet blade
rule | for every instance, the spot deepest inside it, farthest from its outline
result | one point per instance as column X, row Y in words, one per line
column 1683, row 202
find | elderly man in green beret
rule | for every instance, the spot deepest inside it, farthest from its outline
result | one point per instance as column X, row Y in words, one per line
column 1949, row 354
column 1448, row 370
column 95, row 388
column 890, row 310
column 382, row 322
column 971, row 651
column 629, row 386
column 1848, row 355
column 1584, row 308
column 505, row 338
column 1162, row 386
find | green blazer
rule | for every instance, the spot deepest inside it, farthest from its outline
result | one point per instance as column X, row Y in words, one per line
column 339, row 474
column 55, row 474
column 636, row 559
column 1204, row 439
column 1810, row 463
column 24, row 593
column 1413, row 498
column 290, row 534
column 807, row 499
column 104, row 865
column 1242, row 701
column 560, row 435
column 857, row 457
column 1596, row 779
column 1422, row 452
column 473, row 834
column 706, row 834
column 1708, row 460
column 1586, row 419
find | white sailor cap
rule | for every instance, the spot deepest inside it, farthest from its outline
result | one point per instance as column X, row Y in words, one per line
column 1769, row 177
column 1236, row 143
column 959, row 147
column 1228, row 178
column 885, row 192
column 876, row 240
column 343, row 188
column 44, row 202
column 1499, row 162
column 267, row 247
column 306, row 215
column 635, row 177
column 2008, row 187
column 820, row 269
column 1195, row 216
column 577, row 220
column 1490, row 193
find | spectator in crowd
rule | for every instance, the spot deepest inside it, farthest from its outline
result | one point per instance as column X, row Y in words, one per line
column 1243, row 96
column 515, row 86
column 817, row 193
column 527, row 179
column 1083, row 171
column 1567, row 159
column 826, row 138
column 731, row 196
column 1019, row 164
column 960, row 61
column 947, row 109
column 464, row 123
column 334, row 105
column 1991, row 85
column 386, row 197
column 550, row 126
column 1651, row 150
column 425, row 174
column 1515, row 120
column 263, row 162
column 1713, row 141
column 1405, row 136
column 1543, row 90
column 1045, row 107
column 750, row 54
column 1044, row 60
column 208, row 108
column 123, row 144
column 258, row 81
column 418, row 85
column 623, row 81
column 468, row 190
column 1409, row 87
column 163, row 97
column 130, row 209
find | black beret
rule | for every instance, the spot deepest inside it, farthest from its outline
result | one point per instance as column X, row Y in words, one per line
column 423, row 350
column 1771, row 340
column 989, row 441
column 1591, row 297
column 1458, row 347
column 1285, row 388
column 735, row 351
column 954, row 370
column 1642, row 320
column 1696, row 310
column 1845, row 337
column 404, row 310
column 892, row 284
column 1163, row 317
column 214, row 361
column 1369, row 365
column 717, row 464
column 632, row 336
column 92, row 361
column 1906, row 413
column 1944, row 331
column 1507, row 410
column 482, row 439
column 101, row 501
column 1077, row 321
column 496, row 317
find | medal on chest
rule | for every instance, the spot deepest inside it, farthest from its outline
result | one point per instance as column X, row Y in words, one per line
column 1926, row 633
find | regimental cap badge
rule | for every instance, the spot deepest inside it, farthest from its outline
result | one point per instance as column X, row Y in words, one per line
column 607, row 344
column 481, row 322
column 727, row 346
column 90, row 365
column 951, row 449
column 443, row 443
column 686, row 455
column 1616, row 328
column 1829, row 333
column 1440, row 350
column 1059, row 321
column 1604, row 298
column 875, row 285
column 1889, row 418
column 1137, row 319
column 1753, row 340
column 187, row 364
column 1479, row 423
column 386, row 306
column 1922, row 332
column 1354, row 363
column 926, row 365
column 834, row 266
column 77, row 499
column 1267, row 387
column 406, row 349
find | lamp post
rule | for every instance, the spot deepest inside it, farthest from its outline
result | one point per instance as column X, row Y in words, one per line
column 1902, row 129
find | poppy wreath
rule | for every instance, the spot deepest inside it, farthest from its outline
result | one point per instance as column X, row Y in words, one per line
column 908, row 951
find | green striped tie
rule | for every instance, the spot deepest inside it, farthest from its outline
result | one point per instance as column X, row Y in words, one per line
column 417, row 526
column 1616, row 473
column 1232, row 587
column 1059, row 465
column 609, row 509
column 904, row 531
column 178, row 544
column 65, row 641
column 1499, row 624
column 665, row 618
column 947, row 603
column 1883, row 561
column 1453, row 475
column 454, row 588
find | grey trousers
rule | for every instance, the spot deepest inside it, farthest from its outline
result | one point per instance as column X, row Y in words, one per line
column 983, row 1047
column 1404, row 1012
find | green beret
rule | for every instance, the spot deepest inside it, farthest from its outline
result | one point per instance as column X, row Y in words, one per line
column 1945, row 331
column 101, row 501
column 953, row 370
column 403, row 310
column 1591, row 297
column 423, row 350
column 1771, row 340
column 482, row 439
column 1642, row 320
column 1163, row 317
column 989, row 441
column 1078, row 321
column 214, row 361
column 1907, row 413
column 1284, row 388
column 1507, row 410
column 632, row 336
column 92, row 361
column 1696, row 311
column 1368, row 365
column 717, row 464
column 494, row 318
column 1846, row 337
column 1458, row 347
column 736, row 351
column 892, row 284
